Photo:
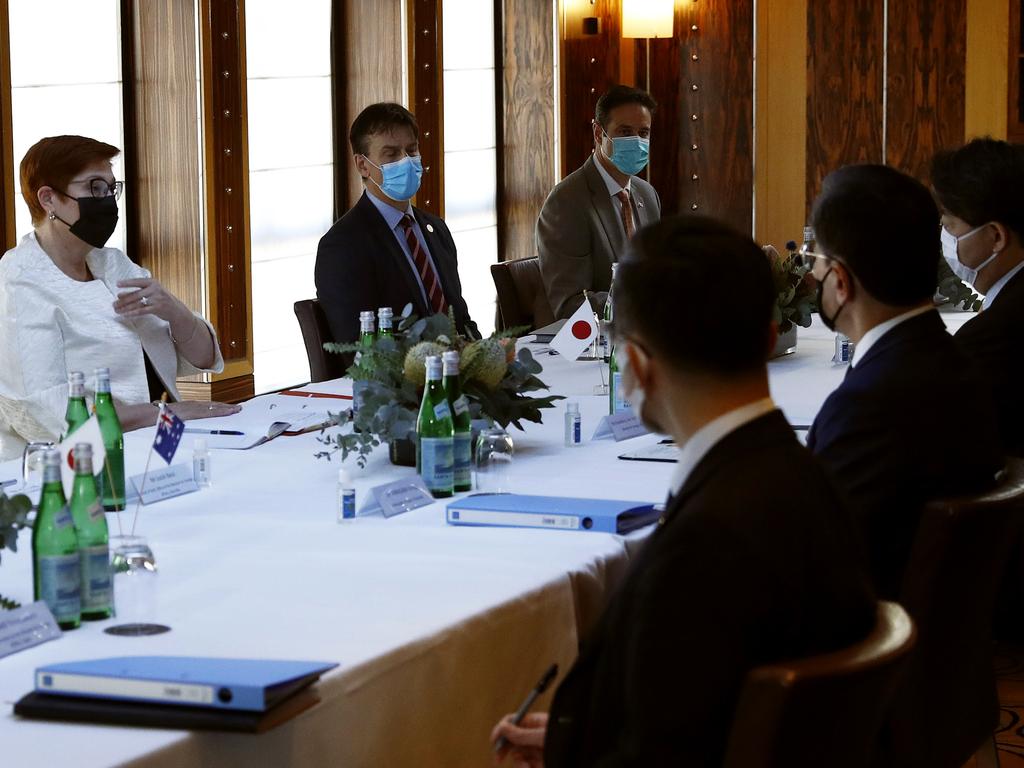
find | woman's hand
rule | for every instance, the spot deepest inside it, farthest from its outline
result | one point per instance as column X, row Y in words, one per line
column 524, row 742
column 149, row 298
column 189, row 410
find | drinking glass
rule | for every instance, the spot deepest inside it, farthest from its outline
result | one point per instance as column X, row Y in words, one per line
column 135, row 586
column 32, row 462
column 494, row 452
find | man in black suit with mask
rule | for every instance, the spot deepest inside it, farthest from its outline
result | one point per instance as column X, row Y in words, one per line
column 885, row 431
column 384, row 252
column 754, row 559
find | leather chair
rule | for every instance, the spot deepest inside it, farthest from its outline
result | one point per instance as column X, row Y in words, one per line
column 822, row 710
column 947, row 707
column 522, row 299
column 323, row 365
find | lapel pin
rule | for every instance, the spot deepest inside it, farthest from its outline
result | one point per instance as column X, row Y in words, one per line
column 430, row 228
column 639, row 203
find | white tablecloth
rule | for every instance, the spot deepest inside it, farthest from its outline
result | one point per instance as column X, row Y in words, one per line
column 438, row 630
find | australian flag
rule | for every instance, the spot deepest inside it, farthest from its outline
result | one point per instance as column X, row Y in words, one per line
column 169, row 429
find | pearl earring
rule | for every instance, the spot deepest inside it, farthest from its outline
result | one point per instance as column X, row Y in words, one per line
column 52, row 215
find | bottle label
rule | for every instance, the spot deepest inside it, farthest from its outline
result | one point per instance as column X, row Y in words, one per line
column 441, row 411
column 60, row 585
column 461, row 405
column 463, row 453
column 577, row 437
column 347, row 504
column 63, row 518
column 95, row 512
column 97, row 588
column 437, row 462
column 619, row 402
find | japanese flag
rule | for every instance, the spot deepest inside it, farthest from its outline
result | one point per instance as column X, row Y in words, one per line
column 89, row 432
column 577, row 333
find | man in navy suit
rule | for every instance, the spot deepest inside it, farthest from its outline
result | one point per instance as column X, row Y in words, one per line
column 979, row 189
column 912, row 420
column 755, row 558
column 384, row 252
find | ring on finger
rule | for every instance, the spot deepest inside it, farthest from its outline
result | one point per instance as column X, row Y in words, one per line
column 144, row 301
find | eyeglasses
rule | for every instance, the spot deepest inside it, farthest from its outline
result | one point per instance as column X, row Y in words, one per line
column 806, row 256
column 102, row 188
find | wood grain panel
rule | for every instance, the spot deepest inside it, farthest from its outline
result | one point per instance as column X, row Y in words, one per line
column 8, row 236
column 368, row 52
column 667, row 139
column 926, row 60
column 844, row 86
column 527, row 120
column 589, row 66
column 1015, row 100
column 426, row 99
column 162, row 155
column 227, row 175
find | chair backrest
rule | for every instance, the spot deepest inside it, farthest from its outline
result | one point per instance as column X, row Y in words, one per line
column 947, row 705
column 822, row 710
column 522, row 299
column 323, row 366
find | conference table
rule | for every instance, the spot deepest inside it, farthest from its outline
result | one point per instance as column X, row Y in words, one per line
column 438, row 630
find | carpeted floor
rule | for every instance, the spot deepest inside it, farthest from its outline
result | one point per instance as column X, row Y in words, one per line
column 1009, row 664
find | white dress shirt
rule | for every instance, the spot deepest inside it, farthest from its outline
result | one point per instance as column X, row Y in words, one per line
column 51, row 324
column 705, row 438
column 1002, row 281
column 869, row 339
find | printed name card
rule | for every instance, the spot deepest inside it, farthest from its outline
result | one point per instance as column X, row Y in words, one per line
column 397, row 497
column 166, row 483
column 620, row 426
column 26, row 627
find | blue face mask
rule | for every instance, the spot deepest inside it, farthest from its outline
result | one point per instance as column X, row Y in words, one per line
column 629, row 153
column 401, row 178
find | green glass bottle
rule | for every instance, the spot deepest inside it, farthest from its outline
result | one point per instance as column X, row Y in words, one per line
column 459, row 407
column 78, row 412
column 435, row 445
column 616, row 400
column 385, row 322
column 111, row 484
column 93, row 539
column 56, row 573
column 366, row 329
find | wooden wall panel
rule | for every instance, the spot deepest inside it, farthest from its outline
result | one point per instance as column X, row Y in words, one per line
column 1015, row 100
column 926, row 58
column 589, row 66
column 527, row 121
column 674, row 98
column 162, row 153
column 368, row 52
column 8, row 235
column 426, row 99
column 844, row 86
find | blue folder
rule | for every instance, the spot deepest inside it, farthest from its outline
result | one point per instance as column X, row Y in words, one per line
column 512, row 510
column 247, row 684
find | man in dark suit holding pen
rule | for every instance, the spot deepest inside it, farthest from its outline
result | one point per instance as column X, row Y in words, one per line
column 979, row 189
column 754, row 559
column 890, row 432
column 384, row 252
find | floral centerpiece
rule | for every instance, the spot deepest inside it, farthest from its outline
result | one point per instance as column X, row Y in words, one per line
column 13, row 517
column 795, row 289
column 390, row 374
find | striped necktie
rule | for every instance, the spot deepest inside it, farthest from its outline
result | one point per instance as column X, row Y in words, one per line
column 428, row 276
column 627, row 212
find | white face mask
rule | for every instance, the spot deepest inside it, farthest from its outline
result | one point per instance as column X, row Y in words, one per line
column 634, row 392
column 951, row 253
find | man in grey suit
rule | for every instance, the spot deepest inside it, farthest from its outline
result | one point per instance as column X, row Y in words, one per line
column 592, row 213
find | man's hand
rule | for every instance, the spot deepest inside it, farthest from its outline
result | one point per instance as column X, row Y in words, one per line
column 524, row 742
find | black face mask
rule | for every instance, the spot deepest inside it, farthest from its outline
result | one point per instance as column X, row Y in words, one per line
column 830, row 322
column 96, row 221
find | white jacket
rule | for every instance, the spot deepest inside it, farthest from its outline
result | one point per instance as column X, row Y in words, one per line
column 51, row 324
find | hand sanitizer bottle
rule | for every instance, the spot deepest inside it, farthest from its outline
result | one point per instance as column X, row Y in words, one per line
column 573, row 425
column 201, row 463
column 346, row 499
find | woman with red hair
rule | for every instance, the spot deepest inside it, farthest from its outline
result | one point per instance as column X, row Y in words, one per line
column 68, row 303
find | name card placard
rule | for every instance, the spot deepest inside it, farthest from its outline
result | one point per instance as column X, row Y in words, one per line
column 400, row 496
column 26, row 627
column 620, row 426
column 165, row 483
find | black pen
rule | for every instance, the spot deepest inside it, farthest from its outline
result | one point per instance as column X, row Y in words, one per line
column 517, row 718
column 214, row 432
